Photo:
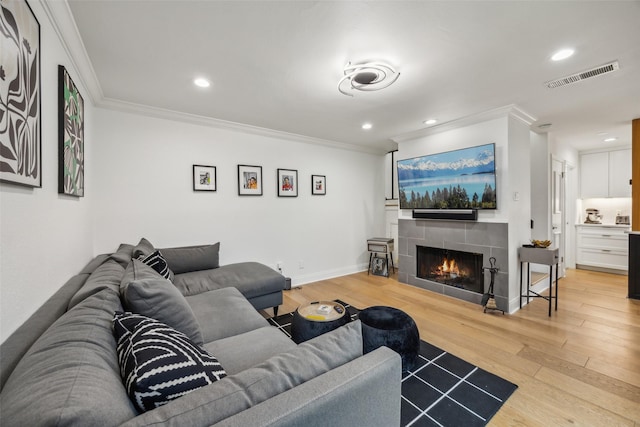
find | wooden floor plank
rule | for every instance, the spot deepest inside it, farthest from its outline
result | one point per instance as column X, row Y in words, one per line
column 581, row 366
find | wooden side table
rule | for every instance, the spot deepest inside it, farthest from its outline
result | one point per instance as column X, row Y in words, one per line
column 383, row 245
column 543, row 256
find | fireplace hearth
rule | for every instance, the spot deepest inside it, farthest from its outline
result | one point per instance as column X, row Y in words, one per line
column 450, row 267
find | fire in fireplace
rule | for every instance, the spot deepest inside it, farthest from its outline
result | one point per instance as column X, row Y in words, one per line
column 450, row 267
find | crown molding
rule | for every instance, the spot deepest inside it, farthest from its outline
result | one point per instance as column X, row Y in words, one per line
column 165, row 114
column 511, row 110
column 65, row 28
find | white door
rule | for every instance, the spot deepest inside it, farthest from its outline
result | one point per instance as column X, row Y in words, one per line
column 558, row 210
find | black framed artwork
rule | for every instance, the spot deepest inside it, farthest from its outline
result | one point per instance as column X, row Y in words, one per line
column 249, row 180
column 204, row 178
column 287, row 180
column 318, row 185
column 20, row 95
column 70, row 136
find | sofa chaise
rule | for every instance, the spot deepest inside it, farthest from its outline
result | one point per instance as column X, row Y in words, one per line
column 66, row 364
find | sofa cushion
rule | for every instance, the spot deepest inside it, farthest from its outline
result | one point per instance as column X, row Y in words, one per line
column 246, row 350
column 252, row 279
column 143, row 248
column 70, row 376
column 156, row 261
column 106, row 276
column 223, row 313
column 153, row 296
column 192, row 258
column 248, row 388
column 158, row 363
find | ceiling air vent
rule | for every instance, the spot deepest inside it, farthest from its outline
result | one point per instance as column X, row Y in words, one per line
column 597, row 71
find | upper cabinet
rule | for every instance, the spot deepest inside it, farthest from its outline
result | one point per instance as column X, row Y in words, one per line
column 605, row 174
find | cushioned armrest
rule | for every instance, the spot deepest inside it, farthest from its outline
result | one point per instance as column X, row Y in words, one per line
column 364, row 391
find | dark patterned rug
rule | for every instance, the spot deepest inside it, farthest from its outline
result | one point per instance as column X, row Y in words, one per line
column 442, row 389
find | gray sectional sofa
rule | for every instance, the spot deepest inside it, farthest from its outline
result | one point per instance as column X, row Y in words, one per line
column 64, row 365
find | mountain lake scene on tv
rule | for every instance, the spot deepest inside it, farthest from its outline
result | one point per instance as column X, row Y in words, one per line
column 460, row 179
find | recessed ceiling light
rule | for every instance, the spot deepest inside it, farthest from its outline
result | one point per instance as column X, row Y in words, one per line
column 201, row 82
column 610, row 139
column 367, row 126
column 562, row 54
column 430, row 122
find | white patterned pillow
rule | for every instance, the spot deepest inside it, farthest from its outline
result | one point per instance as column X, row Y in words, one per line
column 158, row 363
column 156, row 261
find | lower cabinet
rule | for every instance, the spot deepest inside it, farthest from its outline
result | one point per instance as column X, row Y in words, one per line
column 603, row 247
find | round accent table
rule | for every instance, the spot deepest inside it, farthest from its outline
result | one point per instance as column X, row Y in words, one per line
column 393, row 328
column 316, row 318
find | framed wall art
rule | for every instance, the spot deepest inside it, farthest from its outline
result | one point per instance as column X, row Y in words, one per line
column 20, row 95
column 70, row 136
column 204, row 178
column 379, row 266
column 249, row 180
column 318, row 185
column 287, row 183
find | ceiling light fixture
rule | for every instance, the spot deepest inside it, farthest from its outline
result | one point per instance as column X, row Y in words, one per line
column 367, row 77
column 610, row 139
column 367, row 126
column 562, row 54
column 201, row 82
column 430, row 122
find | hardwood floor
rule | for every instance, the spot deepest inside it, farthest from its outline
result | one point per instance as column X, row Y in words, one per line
column 579, row 367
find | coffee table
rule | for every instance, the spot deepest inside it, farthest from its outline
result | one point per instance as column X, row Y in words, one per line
column 316, row 318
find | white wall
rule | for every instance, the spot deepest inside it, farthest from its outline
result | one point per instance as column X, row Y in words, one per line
column 45, row 237
column 540, row 186
column 491, row 131
column 144, row 182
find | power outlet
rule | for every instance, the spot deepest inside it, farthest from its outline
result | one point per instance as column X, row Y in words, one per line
column 279, row 265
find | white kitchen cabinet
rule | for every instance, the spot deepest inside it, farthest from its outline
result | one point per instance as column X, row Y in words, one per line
column 603, row 246
column 605, row 174
column 619, row 173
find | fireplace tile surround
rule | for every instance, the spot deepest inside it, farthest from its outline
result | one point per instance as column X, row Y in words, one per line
column 489, row 239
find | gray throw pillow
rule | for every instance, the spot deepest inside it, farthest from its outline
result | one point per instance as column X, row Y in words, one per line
column 143, row 248
column 192, row 258
column 150, row 295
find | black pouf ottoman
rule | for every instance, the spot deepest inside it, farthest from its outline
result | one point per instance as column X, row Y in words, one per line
column 393, row 328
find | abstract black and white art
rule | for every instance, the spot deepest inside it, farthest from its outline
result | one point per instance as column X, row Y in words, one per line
column 20, row 94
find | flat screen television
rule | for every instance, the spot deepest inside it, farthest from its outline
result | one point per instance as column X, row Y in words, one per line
column 459, row 179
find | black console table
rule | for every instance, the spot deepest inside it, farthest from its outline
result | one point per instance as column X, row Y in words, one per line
column 543, row 256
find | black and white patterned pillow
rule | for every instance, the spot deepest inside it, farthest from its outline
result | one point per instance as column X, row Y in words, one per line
column 158, row 363
column 156, row 261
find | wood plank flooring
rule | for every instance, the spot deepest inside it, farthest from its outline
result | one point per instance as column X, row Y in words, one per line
column 579, row 367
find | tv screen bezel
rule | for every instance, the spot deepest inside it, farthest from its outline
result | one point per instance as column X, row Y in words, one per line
column 434, row 155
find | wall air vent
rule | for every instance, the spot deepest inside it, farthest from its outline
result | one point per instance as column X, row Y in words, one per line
column 597, row 71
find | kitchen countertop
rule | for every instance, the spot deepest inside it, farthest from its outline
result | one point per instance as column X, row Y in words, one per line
column 605, row 225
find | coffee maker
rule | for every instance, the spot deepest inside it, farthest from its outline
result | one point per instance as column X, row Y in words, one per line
column 593, row 216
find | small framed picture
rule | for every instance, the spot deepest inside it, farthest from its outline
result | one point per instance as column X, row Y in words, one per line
column 249, row 180
column 204, row 178
column 379, row 266
column 287, row 183
column 318, row 185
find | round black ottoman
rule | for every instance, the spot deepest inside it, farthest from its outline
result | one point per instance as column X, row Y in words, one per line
column 316, row 318
column 393, row 328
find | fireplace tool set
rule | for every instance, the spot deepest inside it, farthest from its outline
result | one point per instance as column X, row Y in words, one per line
column 488, row 299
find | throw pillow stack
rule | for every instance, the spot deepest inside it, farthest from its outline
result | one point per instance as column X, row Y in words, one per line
column 158, row 340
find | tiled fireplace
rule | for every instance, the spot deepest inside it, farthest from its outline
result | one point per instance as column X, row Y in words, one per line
column 441, row 246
